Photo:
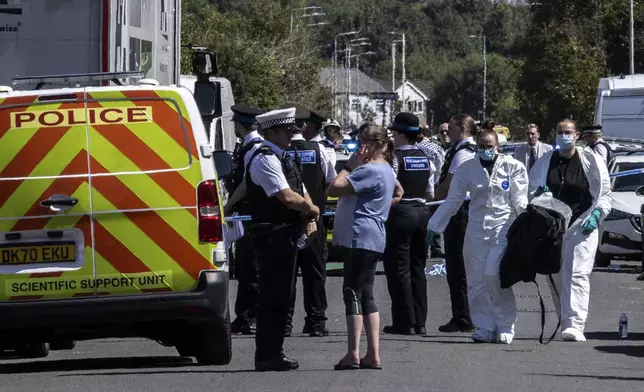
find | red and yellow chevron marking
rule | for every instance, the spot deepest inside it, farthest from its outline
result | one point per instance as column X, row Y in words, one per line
column 132, row 251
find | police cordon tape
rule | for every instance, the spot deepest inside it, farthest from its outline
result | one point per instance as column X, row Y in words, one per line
column 245, row 218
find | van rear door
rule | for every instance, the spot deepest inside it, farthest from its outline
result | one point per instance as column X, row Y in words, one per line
column 145, row 170
column 45, row 204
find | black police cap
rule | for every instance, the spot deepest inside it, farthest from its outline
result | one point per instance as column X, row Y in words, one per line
column 405, row 122
column 592, row 128
column 245, row 114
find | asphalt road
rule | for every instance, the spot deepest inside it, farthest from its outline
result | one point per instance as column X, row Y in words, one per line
column 438, row 362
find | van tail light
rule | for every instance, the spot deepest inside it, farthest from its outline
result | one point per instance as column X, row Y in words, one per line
column 210, row 229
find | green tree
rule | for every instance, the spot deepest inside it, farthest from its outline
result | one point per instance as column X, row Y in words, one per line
column 267, row 66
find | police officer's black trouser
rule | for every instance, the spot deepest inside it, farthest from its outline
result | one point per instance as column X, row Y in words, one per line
column 455, row 266
column 247, row 278
column 434, row 241
column 404, row 262
column 276, row 253
column 312, row 262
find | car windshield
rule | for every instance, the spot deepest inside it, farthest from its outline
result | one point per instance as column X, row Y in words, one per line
column 628, row 183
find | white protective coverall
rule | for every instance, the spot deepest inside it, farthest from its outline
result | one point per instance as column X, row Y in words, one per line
column 578, row 249
column 496, row 201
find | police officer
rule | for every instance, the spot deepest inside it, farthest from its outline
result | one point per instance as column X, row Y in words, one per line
column 593, row 136
column 245, row 265
column 281, row 208
column 461, row 128
column 317, row 173
column 406, row 252
column 332, row 138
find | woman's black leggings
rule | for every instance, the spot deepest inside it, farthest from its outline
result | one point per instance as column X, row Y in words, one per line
column 359, row 274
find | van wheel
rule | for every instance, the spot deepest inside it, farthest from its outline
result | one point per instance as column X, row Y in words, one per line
column 602, row 260
column 36, row 350
column 62, row 345
column 212, row 344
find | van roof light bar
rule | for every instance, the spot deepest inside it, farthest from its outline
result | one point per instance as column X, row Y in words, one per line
column 114, row 77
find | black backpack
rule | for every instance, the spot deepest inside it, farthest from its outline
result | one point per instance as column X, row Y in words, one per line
column 534, row 247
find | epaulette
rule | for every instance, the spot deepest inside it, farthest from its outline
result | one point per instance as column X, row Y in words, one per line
column 266, row 150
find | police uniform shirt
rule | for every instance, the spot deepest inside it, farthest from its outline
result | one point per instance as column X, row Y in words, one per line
column 600, row 149
column 328, row 168
column 333, row 156
column 247, row 139
column 462, row 156
column 432, row 169
column 266, row 171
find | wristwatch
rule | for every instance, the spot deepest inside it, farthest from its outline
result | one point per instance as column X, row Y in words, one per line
column 347, row 168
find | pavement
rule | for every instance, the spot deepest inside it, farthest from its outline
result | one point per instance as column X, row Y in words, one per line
column 437, row 362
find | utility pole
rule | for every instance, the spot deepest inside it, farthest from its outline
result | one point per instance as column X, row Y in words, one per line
column 393, row 66
column 632, row 41
column 347, row 118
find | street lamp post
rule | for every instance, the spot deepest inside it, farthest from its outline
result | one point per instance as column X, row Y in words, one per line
column 335, row 66
column 293, row 11
column 350, row 44
column 357, row 56
column 404, row 50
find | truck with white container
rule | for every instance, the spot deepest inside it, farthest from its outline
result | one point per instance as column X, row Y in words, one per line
column 619, row 106
column 63, row 37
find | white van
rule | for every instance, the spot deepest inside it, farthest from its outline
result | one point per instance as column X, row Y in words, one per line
column 619, row 106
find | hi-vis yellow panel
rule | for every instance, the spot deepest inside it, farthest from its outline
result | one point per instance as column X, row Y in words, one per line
column 74, row 284
column 81, row 116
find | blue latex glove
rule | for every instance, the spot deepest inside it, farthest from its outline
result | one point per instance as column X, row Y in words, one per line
column 430, row 236
column 592, row 222
column 541, row 190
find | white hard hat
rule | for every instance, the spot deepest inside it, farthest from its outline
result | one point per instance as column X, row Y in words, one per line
column 502, row 138
column 330, row 123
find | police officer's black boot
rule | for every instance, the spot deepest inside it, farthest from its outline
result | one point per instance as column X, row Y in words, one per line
column 316, row 331
column 249, row 328
column 280, row 363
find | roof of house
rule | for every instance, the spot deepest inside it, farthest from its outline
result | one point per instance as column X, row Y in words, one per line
column 423, row 86
column 414, row 86
column 360, row 81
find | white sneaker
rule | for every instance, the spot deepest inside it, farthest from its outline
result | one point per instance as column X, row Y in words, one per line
column 572, row 335
column 505, row 338
column 483, row 336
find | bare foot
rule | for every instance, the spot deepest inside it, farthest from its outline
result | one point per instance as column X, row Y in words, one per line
column 349, row 359
column 370, row 361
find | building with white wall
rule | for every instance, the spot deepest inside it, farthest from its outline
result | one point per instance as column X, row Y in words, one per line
column 414, row 100
column 366, row 99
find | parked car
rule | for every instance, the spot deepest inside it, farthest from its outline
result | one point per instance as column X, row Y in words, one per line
column 621, row 232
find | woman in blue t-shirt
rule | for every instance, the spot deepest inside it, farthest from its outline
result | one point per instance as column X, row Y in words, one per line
column 365, row 188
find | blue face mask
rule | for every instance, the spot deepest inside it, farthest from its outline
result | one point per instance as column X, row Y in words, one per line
column 565, row 142
column 487, row 154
